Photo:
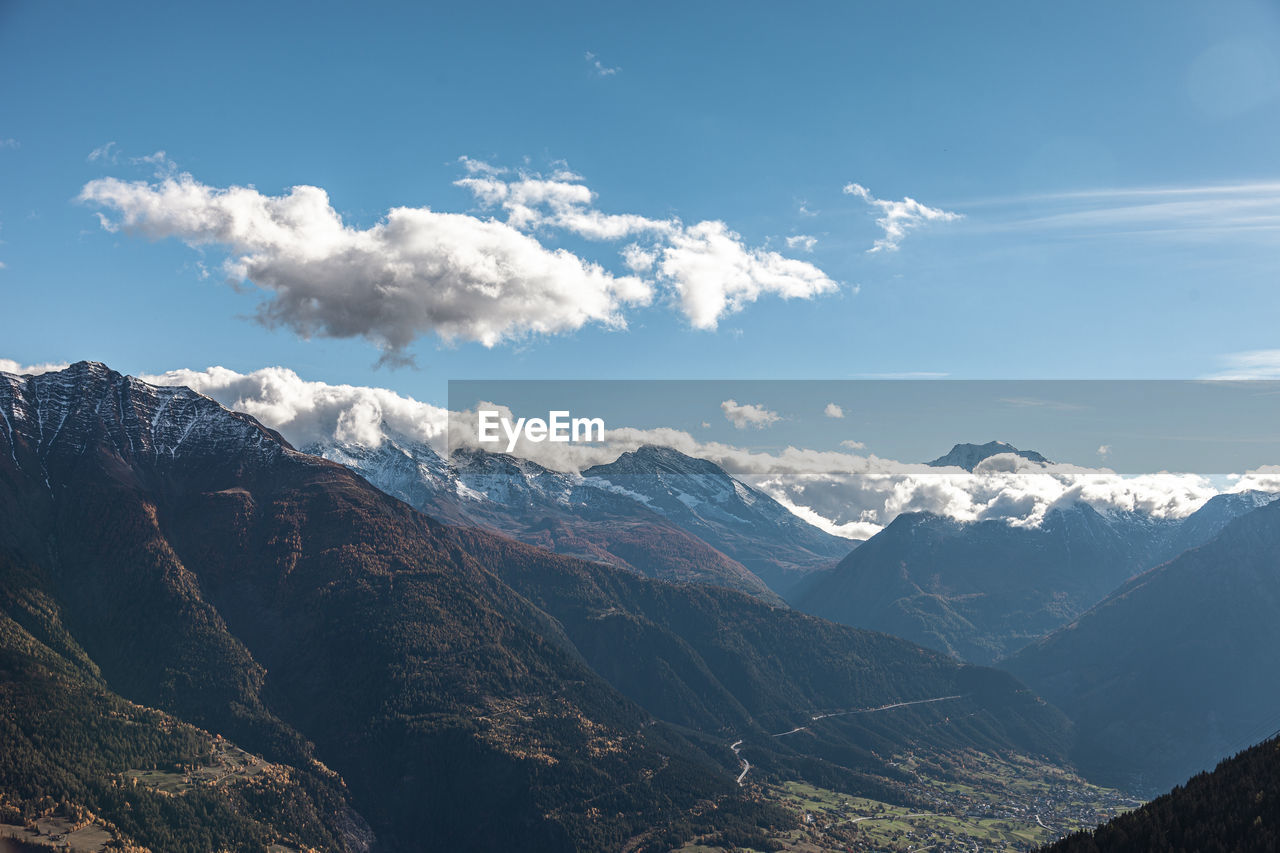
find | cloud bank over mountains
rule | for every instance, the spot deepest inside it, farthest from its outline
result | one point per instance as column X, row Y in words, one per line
column 849, row 493
column 305, row 412
column 419, row 272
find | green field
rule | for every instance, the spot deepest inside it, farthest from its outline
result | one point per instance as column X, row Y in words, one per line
column 962, row 802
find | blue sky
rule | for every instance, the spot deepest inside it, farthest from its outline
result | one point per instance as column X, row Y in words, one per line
column 1113, row 169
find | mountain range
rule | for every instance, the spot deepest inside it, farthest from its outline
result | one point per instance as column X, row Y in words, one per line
column 177, row 578
column 1168, row 674
column 983, row 590
column 654, row 510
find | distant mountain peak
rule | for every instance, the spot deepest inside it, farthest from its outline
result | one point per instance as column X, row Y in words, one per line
column 651, row 458
column 967, row 456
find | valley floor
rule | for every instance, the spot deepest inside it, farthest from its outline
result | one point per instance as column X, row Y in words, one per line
column 974, row 802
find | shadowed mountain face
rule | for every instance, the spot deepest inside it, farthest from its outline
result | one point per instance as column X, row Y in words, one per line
column 1235, row 807
column 408, row 679
column 1172, row 671
column 654, row 511
column 742, row 522
column 205, row 568
column 983, row 590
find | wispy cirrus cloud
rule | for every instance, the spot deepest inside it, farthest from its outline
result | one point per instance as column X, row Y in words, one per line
column 1204, row 211
column 108, row 153
column 1250, row 364
column 598, row 68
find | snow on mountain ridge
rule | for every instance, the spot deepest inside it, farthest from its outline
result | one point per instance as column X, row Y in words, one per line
column 43, row 412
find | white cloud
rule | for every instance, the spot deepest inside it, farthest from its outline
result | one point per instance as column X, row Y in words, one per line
column 714, row 274
column 743, row 415
column 1251, row 364
column 1239, row 211
column 106, row 153
column 419, row 272
column 416, row 272
column 851, row 444
column 833, row 410
column 803, row 242
column 305, row 412
column 707, row 267
column 10, row 142
column 163, row 166
column 898, row 217
column 8, row 365
column 1104, row 450
column 599, row 68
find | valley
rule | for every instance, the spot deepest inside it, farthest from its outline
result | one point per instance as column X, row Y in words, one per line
column 959, row 802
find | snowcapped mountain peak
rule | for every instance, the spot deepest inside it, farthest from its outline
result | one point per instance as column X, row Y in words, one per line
column 967, row 456
column 66, row 413
column 652, row 459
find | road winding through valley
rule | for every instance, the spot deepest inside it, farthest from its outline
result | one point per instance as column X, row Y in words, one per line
column 736, row 746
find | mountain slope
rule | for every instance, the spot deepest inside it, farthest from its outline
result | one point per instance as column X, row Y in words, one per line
column 744, row 523
column 420, row 679
column 1236, row 807
column 50, row 702
column 209, row 570
column 983, row 590
column 980, row 590
column 565, row 513
column 1167, row 675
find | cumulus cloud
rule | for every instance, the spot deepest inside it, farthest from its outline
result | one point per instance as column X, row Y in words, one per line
column 1104, row 450
column 833, row 410
column 1265, row 478
column 803, row 242
column 419, row 272
column 743, row 415
column 531, row 201
column 415, row 272
column 898, row 217
column 8, row 365
column 715, row 274
column 706, row 267
column 305, row 412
